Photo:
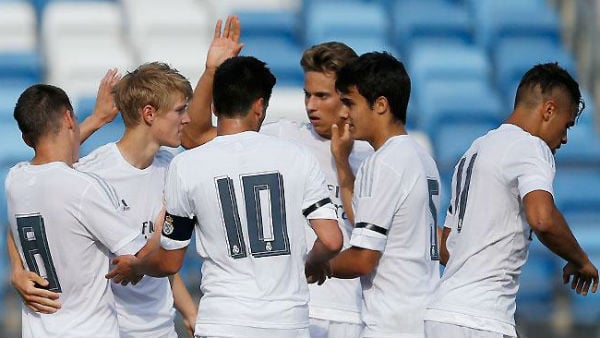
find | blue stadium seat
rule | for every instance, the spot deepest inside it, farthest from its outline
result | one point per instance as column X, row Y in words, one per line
column 111, row 132
column 576, row 190
column 432, row 61
column 9, row 94
column 21, row 67
column 279, row 23
column 514, row 56
column 497, row 20
column 451, row 141
column 444, row 102
column 582, row 149
column 281, row 55
column 13, row 148
column 586, row 310
column 3, row 213
column 434, row 20
column 326, row 21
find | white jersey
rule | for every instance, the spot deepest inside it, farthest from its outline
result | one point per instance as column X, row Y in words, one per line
column 338, row 299
column 396, row 197
column 65, row 223
column 248, row 192
column 490, row 235
column 145, row 309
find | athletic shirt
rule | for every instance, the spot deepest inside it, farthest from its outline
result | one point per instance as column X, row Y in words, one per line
column 248, row 192
column 145, row 309
column 65, row 223
column 396, row 196
column 490, row 235
column 338, row 299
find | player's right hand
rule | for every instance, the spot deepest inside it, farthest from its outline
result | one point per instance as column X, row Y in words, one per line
column 35, row 298
column 583, row 277
column 341, row 142
column 225, row 44
column 123, row 270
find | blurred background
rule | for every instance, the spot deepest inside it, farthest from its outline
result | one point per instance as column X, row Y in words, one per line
column 465, row 58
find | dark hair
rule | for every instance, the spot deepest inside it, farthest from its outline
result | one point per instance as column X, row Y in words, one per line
column 39, row 110
column 327, row 57
column 549, row 76
column 375, row 75
column 239, row 82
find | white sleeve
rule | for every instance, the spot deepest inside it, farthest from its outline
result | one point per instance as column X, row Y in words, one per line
column 271, row 128
column 317, row 202
column 177, row 203
column 378, row 191
column 104, row 216
column 530, row 163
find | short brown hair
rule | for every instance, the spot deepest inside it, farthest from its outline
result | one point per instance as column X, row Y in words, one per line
column 327, row 57
column 155, row 84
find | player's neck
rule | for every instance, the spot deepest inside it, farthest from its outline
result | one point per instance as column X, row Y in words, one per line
column 384, row 132
column 230, row 126
column 48, row 151
column 137, row 149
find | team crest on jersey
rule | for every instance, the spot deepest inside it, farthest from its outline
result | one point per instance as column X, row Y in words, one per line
column 168, row 225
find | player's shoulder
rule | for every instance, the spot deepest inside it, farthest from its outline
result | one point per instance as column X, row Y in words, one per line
column 284, row 128
column 100, row 157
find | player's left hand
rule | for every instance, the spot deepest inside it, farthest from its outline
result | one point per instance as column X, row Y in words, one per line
column 105, row 109
column 226, row 43
column 123, row 271
column 317, row 273
column 583, row 277
column 341, row 142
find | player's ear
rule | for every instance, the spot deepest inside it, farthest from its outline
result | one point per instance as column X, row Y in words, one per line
column 259, row 108
column 381, row 105
column 69, row 119
column 148, row 114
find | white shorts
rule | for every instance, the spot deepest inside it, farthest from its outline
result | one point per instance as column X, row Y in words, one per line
column 237, row 331
column 435, row 329
column 320, row 328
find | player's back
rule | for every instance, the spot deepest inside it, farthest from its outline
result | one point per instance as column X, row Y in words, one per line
column 248, row 192
column 57, row 211
column 490, row 235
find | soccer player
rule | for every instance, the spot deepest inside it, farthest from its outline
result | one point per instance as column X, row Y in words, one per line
column 248, row 196
column 501, row 193
column 335, row 306
column 65, row 222
column 394, row 200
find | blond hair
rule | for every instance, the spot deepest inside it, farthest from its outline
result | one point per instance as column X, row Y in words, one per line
column 155, row 84
column 327, row 57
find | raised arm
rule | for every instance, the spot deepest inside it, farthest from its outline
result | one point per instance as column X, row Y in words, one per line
column 341, row 146
column 225, row 45
column 105, row 110
column 553, row 231
column 28, row 283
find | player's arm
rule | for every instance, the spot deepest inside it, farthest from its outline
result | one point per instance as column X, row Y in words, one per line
column 105, row 110
column 184, row 303
column 553, row 231
column 225, row 45
column 26, row 283
column 444, row 253
column 341, row 146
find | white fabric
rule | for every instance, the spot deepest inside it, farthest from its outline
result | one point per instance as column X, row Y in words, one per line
column 253, row 271
column 490, row 235
column 82, row 216
column 391, row 192
column 147, row 308
column 237, row 331
column 437, row 330
column 337, row 299
column 320, row 328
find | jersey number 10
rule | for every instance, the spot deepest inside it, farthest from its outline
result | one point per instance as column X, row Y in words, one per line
column 264, row 202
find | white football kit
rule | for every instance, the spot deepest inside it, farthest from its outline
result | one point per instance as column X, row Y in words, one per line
column 251, row 195
column 65, row 223
column 339, row 299
column 145, row 309
column 490, row 235
column 396, row 198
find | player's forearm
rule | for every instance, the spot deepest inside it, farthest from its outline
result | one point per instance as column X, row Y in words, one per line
column 182, row 299
column 321, row 253
column 159, row 262
column 346, row 181
column 89, row 126
column 352, row 263
column 555, row 234
column 444, row 253
column 200, row 129
column 16, row 264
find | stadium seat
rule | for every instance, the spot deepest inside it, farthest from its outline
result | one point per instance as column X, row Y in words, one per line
column 496, row 20
column 276, row 23
column 586, row 310
column 576, row 190
column 326, row 21
column 582, row 149
column 13, row 148
column 9, row 94
column 111, row 132
column 282, row 57
column 444, row 102
column 514, row 56
column 451, row 141
column 429, row 61
column 436, row 20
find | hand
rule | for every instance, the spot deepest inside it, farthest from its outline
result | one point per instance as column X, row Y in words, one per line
column 583, row 277
column 341, row 142
column 190, row 325
column 317, row 273
column 226, row 44
column 35, row 298
column 124, row 271
column 105, row 109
